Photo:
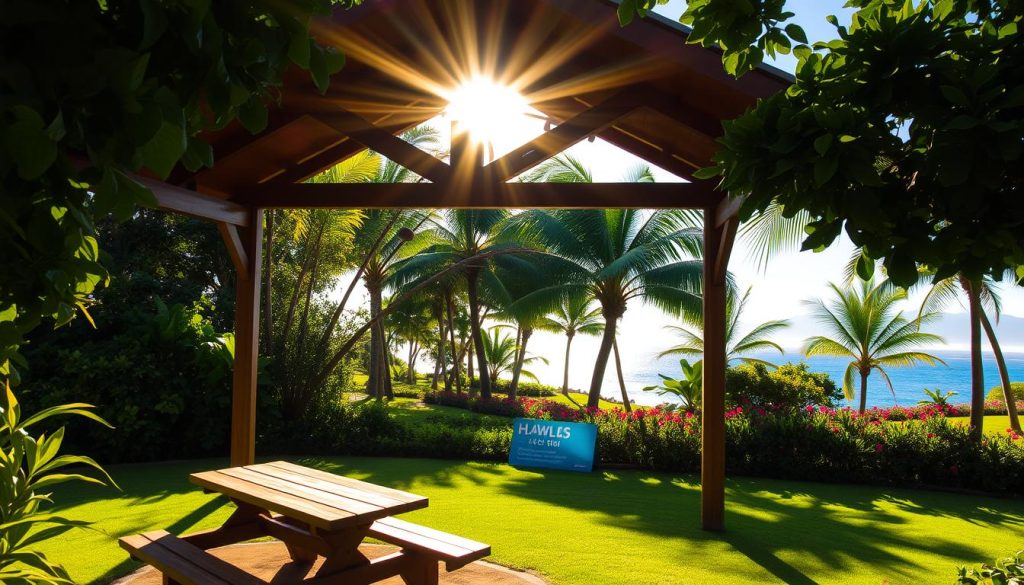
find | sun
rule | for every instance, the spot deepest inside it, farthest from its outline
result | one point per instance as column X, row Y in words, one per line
column 489, row 111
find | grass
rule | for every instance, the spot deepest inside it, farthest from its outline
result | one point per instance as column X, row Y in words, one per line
column 605, row 527
column 993, row 425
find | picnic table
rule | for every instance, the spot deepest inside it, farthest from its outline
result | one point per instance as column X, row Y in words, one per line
column 314, row 513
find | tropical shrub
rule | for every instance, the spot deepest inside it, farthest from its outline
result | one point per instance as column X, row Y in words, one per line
column 30, row 467
column 687, row 390
column 535, row 389
column 898, row 446
column 996, row 393
column 153, row 374
column 786, row 387
column 1005, row 571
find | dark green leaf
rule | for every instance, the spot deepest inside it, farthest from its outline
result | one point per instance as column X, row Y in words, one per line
column 796, row 33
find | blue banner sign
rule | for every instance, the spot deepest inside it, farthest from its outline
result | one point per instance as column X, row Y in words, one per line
column 552, row 444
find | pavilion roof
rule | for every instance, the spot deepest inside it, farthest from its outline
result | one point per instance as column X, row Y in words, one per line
column 647, row 91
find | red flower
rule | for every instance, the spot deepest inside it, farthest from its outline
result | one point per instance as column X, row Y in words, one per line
column 953, row 469
column 810, row 408
column 878, row 447
column 931, row 435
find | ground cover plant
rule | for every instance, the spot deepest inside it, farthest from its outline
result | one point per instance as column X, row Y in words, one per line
column 907, row 447
column 580, row 529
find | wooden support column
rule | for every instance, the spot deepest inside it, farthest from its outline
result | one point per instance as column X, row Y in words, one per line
column 247, row 252
column 718, row 238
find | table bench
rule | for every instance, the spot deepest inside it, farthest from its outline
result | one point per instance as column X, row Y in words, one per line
column 314, row 513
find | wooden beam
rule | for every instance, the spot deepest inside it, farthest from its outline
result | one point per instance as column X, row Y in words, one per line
column 172, row 198
column 247, row 329
column 236, row 249
column 728, row 209
column 566, row 134
column 717, row 245
column 387, row 144
column 487, row 196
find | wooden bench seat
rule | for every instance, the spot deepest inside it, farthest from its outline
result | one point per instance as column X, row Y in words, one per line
column 455, row 551
column 183, row 563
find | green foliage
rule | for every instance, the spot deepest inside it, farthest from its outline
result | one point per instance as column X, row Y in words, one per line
column 996, row 393
column 153, row 374
column 905, row 131
column 1005, row 571
column 937, row 396
column 687, row 389
column 790, row 386
column 93, row 91
column 31, row 466
column 736, row 345
column 862, row 323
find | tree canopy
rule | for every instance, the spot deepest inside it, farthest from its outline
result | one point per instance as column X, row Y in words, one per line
column 905, row 130
column 93, row 91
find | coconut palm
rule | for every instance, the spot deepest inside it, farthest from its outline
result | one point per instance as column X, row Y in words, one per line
column 460, row 235
column 573, row 315
column 864, row 325
column 503, row 354
column 617, row 255
column 736, row 346
column 981, row 297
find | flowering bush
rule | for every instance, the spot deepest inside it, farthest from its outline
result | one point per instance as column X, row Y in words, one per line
column 894, row 446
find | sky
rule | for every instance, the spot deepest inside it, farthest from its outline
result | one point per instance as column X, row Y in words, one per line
column 778, row 292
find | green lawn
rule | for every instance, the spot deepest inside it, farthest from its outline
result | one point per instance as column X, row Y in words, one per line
column 605, row 527
column 994, row 424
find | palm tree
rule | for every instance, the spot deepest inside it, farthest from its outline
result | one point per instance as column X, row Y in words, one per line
column 864, row 325
column 574, row 315
column 503, row 354
column 459, row 235
column 735, row 346
column 617, row 255
column 981, row 298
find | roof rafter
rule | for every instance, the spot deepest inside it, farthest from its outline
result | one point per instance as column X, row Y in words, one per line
column 362, row 131
column 485, row 195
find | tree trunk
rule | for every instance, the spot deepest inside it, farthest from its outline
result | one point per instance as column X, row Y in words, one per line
column 410, row 373
column 622, row 381
column 1004, row 375
column 607, row 340
column 520, row 358
column 440, row 363
column 300, row 344
column 294, row 301
column 565, row 376
column 478, row 340
column 469, row 364
column 376, row 382
column 268, row 265
column 456, row 359
column 863, row 391
column 977, row 370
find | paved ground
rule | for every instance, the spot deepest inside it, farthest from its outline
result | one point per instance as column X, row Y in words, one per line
column 269, row 561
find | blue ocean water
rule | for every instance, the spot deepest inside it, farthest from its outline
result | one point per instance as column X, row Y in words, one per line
column 908, row 383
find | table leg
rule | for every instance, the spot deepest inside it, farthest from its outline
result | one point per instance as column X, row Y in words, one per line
column 344, row 545
column 422, row 570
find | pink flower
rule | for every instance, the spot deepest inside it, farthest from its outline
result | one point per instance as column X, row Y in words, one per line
column 878, row 447
column 689, row 414
column 810, row 408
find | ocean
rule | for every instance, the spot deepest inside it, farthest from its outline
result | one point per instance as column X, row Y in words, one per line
column 909, row 383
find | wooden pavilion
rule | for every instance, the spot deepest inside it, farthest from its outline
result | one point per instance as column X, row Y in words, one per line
column 640, row 87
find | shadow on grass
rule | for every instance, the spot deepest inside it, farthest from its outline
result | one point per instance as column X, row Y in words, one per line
column 833, row 524
column 770, row 522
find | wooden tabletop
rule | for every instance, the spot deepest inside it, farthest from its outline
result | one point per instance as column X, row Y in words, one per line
column 318, row 498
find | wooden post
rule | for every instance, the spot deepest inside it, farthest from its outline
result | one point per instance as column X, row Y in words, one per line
column 247, row 329
column 718, row 238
